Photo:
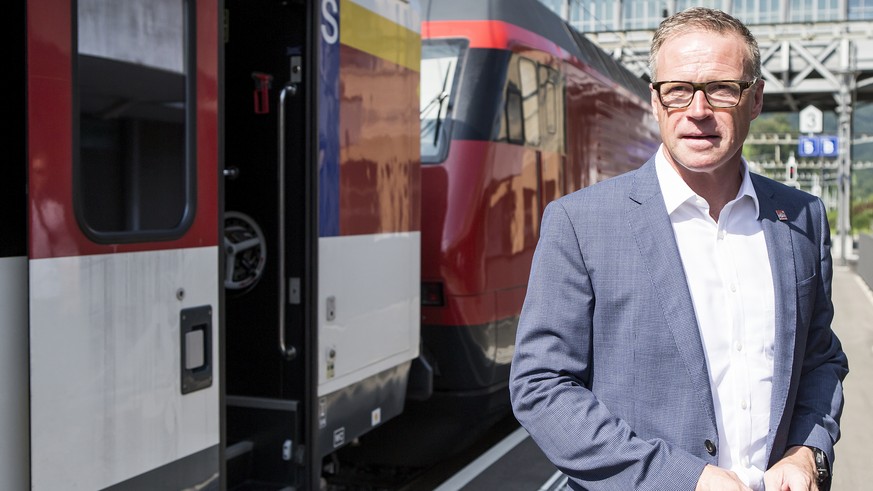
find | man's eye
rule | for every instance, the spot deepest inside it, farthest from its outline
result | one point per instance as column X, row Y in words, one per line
column 678, row 89
column 722, row 88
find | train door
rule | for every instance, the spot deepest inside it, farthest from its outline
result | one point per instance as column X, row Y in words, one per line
column 321, row 229
column 269, row 240
column 541, row 93
column 122, row 250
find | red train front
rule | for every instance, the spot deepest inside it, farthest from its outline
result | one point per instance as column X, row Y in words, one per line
column 517, row 109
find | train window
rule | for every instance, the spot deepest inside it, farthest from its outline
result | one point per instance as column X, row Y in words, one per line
column 513, row 117
column 530, row 100
column 552, row 103
column 134, row 146
column 440, row 60
column 551, row 108
column 547, row 78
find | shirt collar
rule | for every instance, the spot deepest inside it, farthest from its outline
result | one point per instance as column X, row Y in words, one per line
column 676, row 191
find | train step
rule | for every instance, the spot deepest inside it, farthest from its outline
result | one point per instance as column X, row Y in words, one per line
column 240, row 461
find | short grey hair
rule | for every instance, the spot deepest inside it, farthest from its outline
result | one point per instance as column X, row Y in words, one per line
column 704, row 19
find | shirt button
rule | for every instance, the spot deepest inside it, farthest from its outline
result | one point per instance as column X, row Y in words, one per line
column 744, row 404
column 733, row 287
column 745, row 461
column 739, row 346
column 710, row 447
column 721, row 234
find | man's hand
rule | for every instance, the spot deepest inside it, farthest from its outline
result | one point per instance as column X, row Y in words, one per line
column 795, row 472
column 717, row 479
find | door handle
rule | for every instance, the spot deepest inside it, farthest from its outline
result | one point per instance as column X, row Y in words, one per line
column 287, row 351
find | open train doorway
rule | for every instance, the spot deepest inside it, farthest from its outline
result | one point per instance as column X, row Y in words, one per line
column 268, row 240
column 321, row 230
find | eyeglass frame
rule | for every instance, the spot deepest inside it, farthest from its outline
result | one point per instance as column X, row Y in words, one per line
column 701, row 86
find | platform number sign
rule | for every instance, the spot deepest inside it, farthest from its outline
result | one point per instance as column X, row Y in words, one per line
column 811, row 120
column 809, row 146
column 813, row 145
column 829, row 146
column 818, row 146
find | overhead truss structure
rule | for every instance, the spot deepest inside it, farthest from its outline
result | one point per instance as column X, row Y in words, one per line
column 802, row 63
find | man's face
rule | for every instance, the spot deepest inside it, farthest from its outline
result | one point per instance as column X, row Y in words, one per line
column 700, row 138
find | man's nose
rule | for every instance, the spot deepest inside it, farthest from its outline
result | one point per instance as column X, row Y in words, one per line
column 699, row 107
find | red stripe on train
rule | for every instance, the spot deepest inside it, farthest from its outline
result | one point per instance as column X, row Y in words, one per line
column 489, row 34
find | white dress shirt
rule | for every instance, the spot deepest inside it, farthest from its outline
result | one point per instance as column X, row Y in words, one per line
column 728, row 273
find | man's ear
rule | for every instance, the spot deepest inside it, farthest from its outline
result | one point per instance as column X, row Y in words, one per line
column 655, row 102
column 759, row 99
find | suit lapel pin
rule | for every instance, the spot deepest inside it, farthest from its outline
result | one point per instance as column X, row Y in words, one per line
column 781, row 215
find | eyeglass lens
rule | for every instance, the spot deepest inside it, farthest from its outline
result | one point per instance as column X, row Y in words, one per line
column 719, row 93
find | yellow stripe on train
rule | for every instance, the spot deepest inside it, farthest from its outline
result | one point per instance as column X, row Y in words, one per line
column 367, row 31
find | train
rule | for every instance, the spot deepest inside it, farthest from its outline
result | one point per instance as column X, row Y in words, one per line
column 517, row 109
column 531, row 110
column 243, row 235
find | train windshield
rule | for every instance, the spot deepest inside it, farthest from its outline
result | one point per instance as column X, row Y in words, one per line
column 439, row 73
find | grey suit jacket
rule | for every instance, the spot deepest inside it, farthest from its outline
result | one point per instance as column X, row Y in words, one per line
column 609, row 375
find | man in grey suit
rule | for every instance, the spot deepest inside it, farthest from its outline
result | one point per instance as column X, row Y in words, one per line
column 676, row 330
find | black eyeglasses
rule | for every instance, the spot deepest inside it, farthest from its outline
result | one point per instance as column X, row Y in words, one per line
column 719, row 93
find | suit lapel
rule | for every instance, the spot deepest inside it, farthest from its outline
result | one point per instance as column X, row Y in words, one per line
column 776, row 219
column 653, row 232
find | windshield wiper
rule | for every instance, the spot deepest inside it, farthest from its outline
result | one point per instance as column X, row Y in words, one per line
column 437, row 102
column 437, row 99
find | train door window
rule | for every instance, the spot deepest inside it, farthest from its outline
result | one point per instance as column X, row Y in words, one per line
column 551, row 108
column 549, row 99
column 530, row 100
column 551, row 92
column 513, row 117
column 440, row 60
column 133, row 133
column 512, row 122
